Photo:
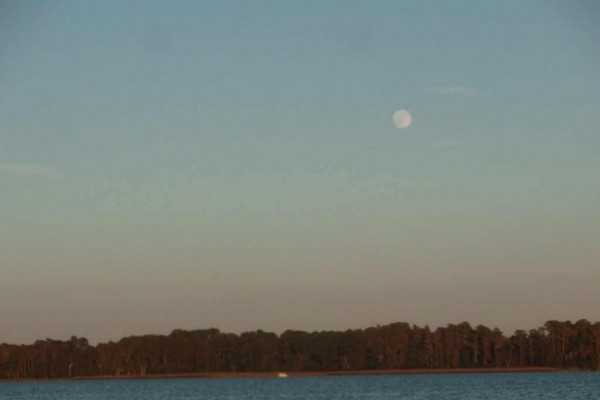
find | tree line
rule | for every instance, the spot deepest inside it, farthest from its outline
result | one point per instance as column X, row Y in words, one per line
column 557, row 344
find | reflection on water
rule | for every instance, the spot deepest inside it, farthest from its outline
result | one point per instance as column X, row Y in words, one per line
column 507, row 386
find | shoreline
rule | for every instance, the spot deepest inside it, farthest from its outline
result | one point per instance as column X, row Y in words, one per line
column 274, row 374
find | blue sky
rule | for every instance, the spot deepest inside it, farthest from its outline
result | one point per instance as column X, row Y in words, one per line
column 192, row 157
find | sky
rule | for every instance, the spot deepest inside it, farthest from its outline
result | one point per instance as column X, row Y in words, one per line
column 235, row 165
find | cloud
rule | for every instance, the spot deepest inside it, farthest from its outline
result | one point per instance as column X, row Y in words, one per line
column 26, row 169
column 445, row 143
column 455, row 89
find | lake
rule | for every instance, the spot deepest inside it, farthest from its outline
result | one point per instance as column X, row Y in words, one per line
column 505, row 386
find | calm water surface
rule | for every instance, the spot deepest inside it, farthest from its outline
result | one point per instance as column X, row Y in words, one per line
column 561, row 386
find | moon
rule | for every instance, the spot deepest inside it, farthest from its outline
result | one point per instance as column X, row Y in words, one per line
column 402, row 119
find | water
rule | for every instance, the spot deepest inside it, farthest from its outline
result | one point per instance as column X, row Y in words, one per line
column 527, row 386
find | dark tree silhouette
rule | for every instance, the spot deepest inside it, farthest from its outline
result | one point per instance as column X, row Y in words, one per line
column 557, row 344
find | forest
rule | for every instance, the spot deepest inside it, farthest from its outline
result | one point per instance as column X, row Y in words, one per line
column 557, row 344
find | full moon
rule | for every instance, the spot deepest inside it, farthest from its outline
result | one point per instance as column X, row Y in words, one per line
column 402, row 119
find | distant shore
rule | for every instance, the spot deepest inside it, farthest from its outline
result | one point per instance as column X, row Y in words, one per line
column 417, row 371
